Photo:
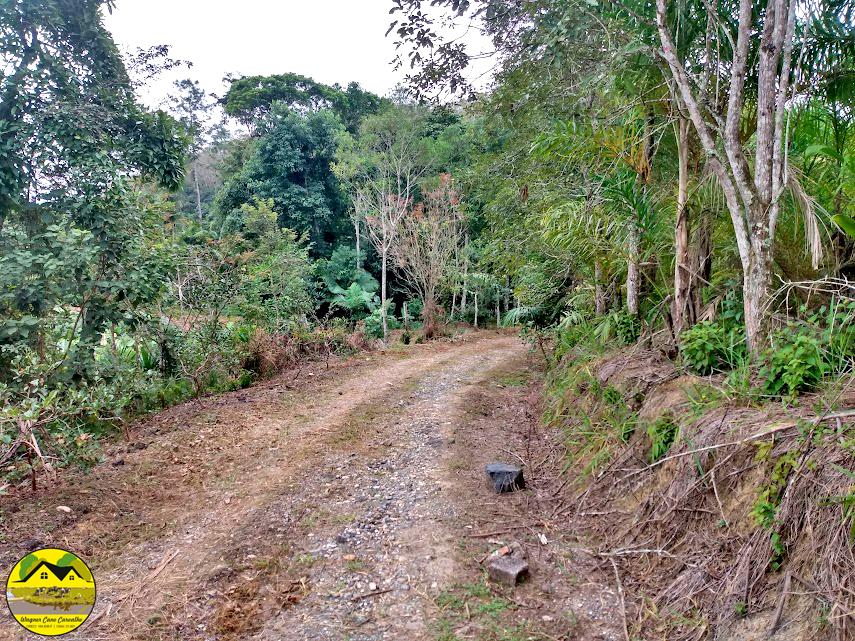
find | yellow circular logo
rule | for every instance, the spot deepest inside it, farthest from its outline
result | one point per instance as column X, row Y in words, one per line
column 50, row 592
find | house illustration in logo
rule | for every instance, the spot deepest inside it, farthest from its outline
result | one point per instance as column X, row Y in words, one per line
column 48, row 575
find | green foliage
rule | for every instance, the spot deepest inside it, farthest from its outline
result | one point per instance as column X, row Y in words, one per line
column 110, row 304
column 714, row 346
column 374, row 322
column 799, row 357
column 846, row 223
column 805, row 353
column 74, row 224
column 340, row 271
column 275, row 284
column 794, row 365
column 837, row 324
column 476, row 603
column 291, row 165
column 662, row 433
column 596, row 419
column 620, row 326
column 349, row 288
column 766, row 506
column 65, row 420
column 540, row 292
column 709, row 347
column 739, row 384
column 703, row 398
column 251, row 98
column 415, row 306
column 357, row 301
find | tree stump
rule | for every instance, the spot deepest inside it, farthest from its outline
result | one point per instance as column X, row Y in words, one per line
column 505, row 477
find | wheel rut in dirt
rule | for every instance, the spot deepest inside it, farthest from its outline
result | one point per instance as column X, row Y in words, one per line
column 387, row 547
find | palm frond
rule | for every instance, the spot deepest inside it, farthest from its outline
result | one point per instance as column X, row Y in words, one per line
column 810, row 211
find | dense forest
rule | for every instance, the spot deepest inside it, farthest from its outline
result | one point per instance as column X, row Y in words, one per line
column 678, row 177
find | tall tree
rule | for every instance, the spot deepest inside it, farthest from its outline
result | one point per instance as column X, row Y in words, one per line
column 755, row 77
column 73, row 140
column 291, row 163
column 429, row 237
column 382, row 167
column 251, row 98
column 736, row 81
column 195, row 111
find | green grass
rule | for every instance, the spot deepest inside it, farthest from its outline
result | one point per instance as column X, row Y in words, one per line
column 487, row 612
column 703, row 398
column 663, row 432
column 356, row 565
column 306, row 560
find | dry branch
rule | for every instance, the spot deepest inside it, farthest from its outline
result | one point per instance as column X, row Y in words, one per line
column 747, row 439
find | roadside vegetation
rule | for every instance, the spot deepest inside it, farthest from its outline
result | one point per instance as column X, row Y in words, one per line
column 668, row 189
column 148, row 258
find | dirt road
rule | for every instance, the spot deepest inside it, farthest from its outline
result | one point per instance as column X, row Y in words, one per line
column 337, row 503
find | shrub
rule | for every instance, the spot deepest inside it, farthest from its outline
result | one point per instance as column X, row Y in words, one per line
column 838, row 334
column 415, row 307
column 823, row 344
column 802, row 354
column 620, row 325
column 374, row 323
column 794, row 364
column 65, row 420
column 709, row 347
column 568, row 337
column 170, row 393
column 627, row 327
column 339, row 271
column 358, row 302
column 240, row 333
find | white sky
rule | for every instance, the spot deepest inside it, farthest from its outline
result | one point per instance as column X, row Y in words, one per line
column 328, row 40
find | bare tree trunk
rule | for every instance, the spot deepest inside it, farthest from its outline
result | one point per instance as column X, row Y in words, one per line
column 757, row 278
column 599, row 290
column 114, row 348
column 198, row 193
column 180, row 287
column 498, row 315
column 465, row 274
column 453, row 303
column 615, row 290
column 383, row 310
column 476, row 310
column 701, row 262
column 753, row 204
column 632, row 269
column 507, row 293
column 358, row 252
column 682, row 313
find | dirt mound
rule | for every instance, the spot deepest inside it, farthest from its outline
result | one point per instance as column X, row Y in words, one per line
column 726, row 521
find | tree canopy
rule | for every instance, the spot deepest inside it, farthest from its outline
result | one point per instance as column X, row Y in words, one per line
column 73, row 140
column 251, row 98
column 290, row 164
